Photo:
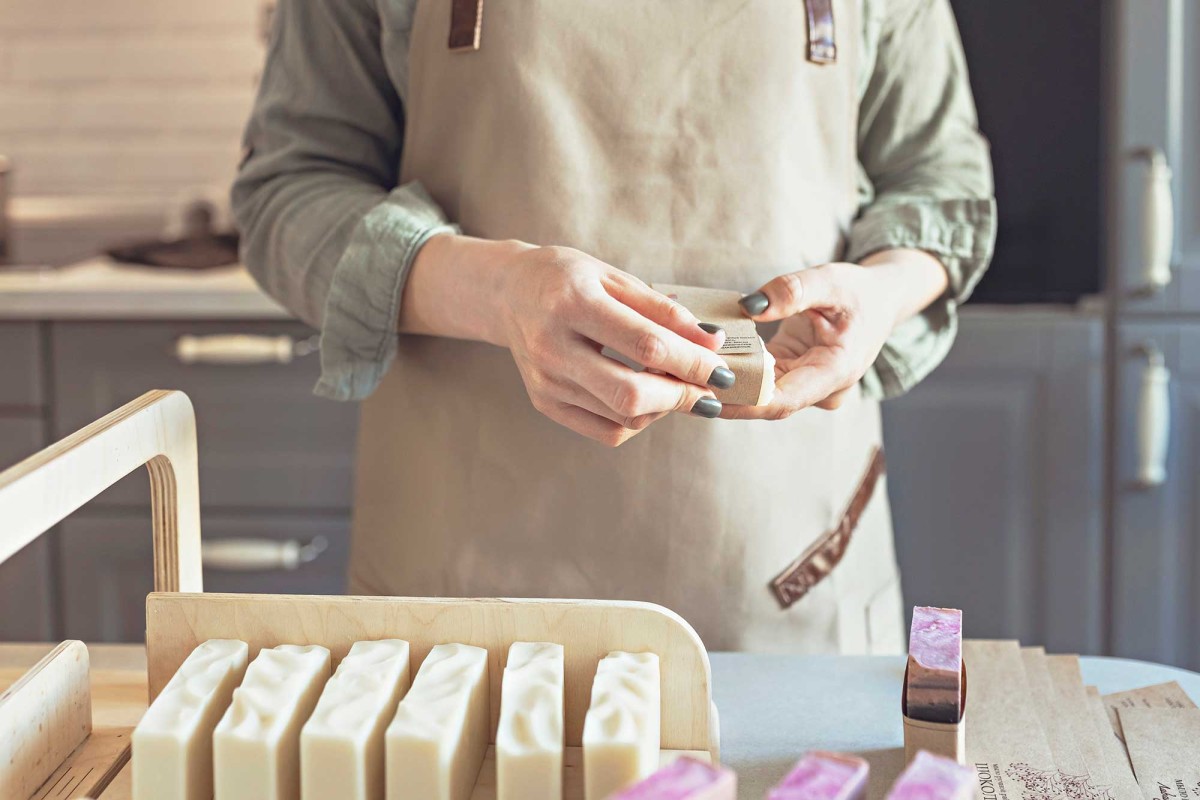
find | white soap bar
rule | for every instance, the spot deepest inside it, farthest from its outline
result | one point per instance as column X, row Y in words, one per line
column 256, row 746
column 172, row 745
column 436, row 743
column 621, row 729
column 341, row 745
column 529, row 740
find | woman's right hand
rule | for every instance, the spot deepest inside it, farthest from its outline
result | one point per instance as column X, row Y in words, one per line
column 556, row 308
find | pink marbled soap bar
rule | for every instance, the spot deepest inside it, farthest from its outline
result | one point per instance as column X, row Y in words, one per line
column 824, row 776
column 934, row 689
column 931, row 777
column 684, row 779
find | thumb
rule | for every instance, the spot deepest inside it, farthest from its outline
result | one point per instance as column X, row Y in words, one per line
column 790, row 294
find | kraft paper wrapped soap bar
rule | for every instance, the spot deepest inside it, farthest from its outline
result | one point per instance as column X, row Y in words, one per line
column 173, row 744
column 529, row 739
column 930, row 777
column 341, row 745
column 743, row 351
column 436, row 743
column 935, row 685
column 684, row 779
column 256, row 746
column 824, row 776
column 622, row 726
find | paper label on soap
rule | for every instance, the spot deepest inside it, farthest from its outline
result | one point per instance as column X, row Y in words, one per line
column 743, row 343
column 1164, row 746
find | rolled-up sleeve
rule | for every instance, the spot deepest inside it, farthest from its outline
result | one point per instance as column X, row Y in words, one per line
column 325, row 229
column 925, row 174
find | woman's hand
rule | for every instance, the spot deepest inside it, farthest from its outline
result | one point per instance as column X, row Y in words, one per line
column 555, row 309
column 835, row 320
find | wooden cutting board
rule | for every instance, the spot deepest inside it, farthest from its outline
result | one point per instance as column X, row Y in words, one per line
column 118, row 702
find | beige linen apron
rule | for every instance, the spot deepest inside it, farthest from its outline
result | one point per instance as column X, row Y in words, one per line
column 687, row 142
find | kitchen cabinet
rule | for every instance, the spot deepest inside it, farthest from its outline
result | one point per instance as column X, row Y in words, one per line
column 26, row 587
column 266, row 442
column 1156, row 547
column 107, row 566
column 20, row 368
column 995, row 472
column 1156, row 105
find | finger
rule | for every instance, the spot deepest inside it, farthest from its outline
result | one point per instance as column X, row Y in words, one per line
column 672, row 315
column 630, row 395
column 835, row 400
column 576, row 395
column 789, row 294
column 616, row 325
column 584, row 422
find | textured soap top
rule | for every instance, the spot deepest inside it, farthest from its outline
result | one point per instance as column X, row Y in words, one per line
column 684, row 779
column 262, row 706
column 935, row 640
column 931, row 777
column 366, row 679
column 824, row 776
column 625, row 688
column 440, row 693
column 182, row 700
column 531, row 716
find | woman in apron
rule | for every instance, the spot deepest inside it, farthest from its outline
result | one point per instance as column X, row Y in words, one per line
column 498, row 182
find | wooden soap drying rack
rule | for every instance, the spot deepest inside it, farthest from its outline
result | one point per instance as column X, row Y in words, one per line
column 39, row 714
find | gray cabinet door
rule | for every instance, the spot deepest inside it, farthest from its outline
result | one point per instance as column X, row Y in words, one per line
column 26, row 591
column 107, row 567
column 20, row 367
column 1156, row 104
column 994, row 473
column 1156, row 547
column 265, row 441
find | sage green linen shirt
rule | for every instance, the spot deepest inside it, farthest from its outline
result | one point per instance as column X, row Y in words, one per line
column 328, row 233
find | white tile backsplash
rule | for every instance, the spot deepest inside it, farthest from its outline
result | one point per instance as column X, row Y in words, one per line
column 133, row 96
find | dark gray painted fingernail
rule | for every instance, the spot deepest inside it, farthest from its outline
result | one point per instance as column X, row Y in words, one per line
column 709, row 327
column 721, row 378
column 755, row 304
column 707, row 407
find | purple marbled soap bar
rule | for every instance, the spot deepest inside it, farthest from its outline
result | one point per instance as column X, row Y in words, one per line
column 933, row 692
column 931, row 777
column 824, row 776
column 684, row 779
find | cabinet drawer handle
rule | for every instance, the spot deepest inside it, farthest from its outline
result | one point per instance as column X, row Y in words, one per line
column 245, row 555
column 241, row 348
column 1153, row 419
column 1158, row 221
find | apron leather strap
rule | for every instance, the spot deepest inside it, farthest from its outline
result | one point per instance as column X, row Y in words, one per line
column 822, row 41
column 466, row 24
column 826, row 552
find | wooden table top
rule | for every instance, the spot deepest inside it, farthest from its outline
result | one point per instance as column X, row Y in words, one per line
column 118, row 688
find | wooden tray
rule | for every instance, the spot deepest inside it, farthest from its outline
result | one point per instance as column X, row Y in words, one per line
column 158, row 430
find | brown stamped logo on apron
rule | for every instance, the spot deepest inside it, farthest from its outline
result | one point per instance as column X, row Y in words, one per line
column 826, row 552
column 822, row 42
column 466, row 24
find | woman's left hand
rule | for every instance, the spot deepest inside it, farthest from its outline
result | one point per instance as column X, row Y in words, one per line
column 835, row 320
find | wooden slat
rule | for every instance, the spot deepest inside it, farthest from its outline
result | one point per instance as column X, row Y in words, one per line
column 44, row 716
column 157, row 430
column 587, row 629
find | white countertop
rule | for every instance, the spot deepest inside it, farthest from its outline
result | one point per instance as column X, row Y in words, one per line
column 103, row 289
column 775, row 708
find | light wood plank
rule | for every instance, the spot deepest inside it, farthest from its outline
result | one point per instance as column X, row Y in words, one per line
column 44, row 716
column 157, row 430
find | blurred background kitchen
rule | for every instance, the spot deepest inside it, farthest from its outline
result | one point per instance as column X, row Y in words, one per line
column 1044, row 479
